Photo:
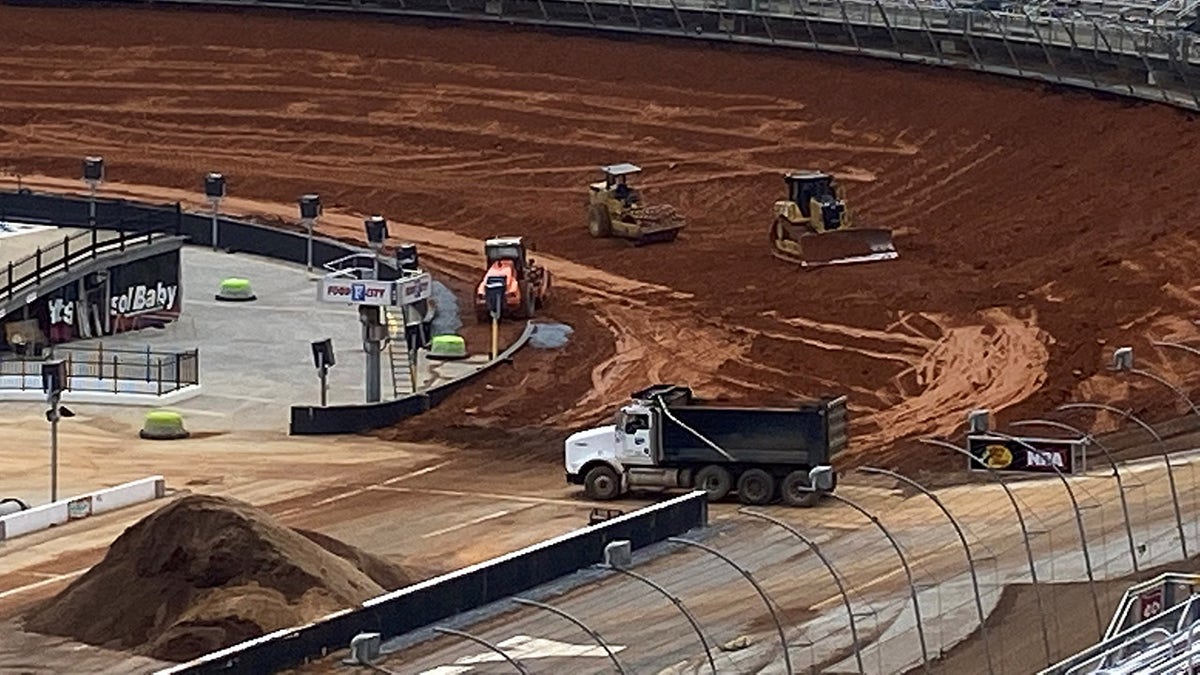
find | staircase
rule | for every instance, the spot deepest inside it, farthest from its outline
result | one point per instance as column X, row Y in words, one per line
column 398, row 355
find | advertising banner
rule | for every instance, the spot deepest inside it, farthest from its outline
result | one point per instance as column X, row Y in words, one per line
column 370, row 292
column 1036, row 455
column 357, row 292
column 144, row 292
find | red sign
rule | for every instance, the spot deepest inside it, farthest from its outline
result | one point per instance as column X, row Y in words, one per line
column 1150, row 603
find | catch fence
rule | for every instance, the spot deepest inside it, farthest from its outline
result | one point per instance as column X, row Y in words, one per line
column 1098, row 47
column 104, row 369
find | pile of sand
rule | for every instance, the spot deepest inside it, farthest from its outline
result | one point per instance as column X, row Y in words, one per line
column 207, row 572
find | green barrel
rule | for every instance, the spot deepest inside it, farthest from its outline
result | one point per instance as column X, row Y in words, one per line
column 236, row 290
column 448, row 347
column 163, row 425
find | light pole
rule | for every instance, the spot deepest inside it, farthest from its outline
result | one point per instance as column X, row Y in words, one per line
column 323, row 359
column 93, row 175
column 1123, row 363
column 54, row 382
column 214, row 190
column 1062, row 426
column 374, row 329
column 1012, row 499
column 408, row 262
column 1087, row 556
column 987, row 651
column 310, row 210
column 912, row 587
column 837, row 578
column 1166, row 456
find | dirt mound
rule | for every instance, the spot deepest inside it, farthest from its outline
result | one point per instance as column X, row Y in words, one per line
column 206, row 572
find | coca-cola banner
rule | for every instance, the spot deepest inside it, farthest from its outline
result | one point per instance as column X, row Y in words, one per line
column 1019, row 453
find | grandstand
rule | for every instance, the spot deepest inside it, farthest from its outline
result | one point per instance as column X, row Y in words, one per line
column 1155, row 631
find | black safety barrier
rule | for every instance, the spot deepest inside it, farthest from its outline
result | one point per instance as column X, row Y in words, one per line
column 420, row 605
column 350, row 419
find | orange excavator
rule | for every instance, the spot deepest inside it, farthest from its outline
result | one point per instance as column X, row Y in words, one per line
column 526, row 284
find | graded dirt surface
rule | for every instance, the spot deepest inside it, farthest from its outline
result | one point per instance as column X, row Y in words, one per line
column 1037, row 229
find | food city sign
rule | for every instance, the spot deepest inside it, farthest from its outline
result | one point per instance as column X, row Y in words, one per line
column 370, row 292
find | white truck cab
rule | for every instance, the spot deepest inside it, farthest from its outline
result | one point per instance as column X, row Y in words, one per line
column 626, row 443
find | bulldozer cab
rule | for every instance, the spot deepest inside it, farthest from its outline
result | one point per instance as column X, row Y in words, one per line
column 506, row 248
column 806, row 186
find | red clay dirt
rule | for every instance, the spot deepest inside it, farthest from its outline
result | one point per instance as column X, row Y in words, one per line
column 1037, row 228
column 206, row 572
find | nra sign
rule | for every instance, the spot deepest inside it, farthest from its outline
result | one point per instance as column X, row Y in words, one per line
column 1036, row 455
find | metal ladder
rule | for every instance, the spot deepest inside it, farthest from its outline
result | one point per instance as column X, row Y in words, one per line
column 398, row 356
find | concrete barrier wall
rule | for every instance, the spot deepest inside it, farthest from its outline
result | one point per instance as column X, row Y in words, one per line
column 75, row 508
column 437, row 599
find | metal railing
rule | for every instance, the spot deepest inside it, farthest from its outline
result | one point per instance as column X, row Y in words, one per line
column 29, row 272
column 103, row 369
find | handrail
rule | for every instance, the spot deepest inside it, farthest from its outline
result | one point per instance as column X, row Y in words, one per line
column 98, row 244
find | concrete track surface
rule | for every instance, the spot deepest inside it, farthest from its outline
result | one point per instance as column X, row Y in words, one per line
column 1037, row 231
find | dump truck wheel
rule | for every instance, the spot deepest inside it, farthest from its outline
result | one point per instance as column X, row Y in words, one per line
column 715, row 482
column 599, row 222
column 602, row 483
column 795, row 492
column 756, row 487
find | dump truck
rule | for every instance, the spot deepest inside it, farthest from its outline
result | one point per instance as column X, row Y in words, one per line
column 615, row 208
column 526, row 283
column 666, row 437
column 813, row 228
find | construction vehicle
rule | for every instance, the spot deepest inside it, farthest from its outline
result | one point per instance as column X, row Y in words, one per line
column 813, row 228
column 526, row 284
column 616, row 209
column 667, row 438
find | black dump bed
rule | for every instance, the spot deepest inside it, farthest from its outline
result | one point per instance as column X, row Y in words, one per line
column 807, row 434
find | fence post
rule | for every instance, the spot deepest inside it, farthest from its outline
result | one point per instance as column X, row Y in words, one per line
column 66, row 253
column 95, row 243
column 121, row 240
column 160, row 377
column 178, row 364
column 115, row 374
column 100, row 361
column 37, row 268
column 10, row 280
column 148, row 363
column 70, row 369
column 22, row 372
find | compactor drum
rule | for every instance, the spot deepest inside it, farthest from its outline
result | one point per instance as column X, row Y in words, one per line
column 813, row 228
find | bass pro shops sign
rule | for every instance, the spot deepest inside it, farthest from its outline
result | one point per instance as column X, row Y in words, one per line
column 1035, row 455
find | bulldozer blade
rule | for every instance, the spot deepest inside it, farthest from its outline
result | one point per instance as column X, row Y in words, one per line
column 845, row 247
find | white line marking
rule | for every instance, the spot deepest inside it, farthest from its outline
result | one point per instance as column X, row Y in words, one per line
column 487, row 495
column 358, row 491
column 468, row 523
column 38, row 584
column 414, row 474
column 338, row 498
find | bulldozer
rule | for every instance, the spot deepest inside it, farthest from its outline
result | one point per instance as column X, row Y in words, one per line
column 526, row 283
column 616, row 209
column 813, row 228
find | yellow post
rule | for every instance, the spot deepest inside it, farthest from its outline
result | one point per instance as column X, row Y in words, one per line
column 495, row 337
